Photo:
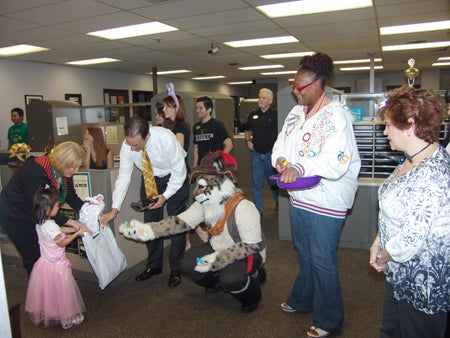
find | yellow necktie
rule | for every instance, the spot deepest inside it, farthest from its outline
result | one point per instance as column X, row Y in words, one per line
column 149, row 178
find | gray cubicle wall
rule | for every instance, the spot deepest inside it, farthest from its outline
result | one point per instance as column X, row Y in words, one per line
column 51, row 122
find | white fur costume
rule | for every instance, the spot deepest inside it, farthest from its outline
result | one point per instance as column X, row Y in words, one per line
column 211, row 194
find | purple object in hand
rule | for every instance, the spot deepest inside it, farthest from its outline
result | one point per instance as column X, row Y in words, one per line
column 299, row 183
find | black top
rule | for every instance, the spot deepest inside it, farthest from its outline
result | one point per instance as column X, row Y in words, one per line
column 209, row 137
column 182, row 128
column 104, row 165
column 264, row 127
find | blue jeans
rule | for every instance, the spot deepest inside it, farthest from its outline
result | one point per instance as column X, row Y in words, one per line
column 262, row 167
column 317, row 288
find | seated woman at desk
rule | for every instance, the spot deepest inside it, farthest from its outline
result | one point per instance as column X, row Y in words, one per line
column 97, row 156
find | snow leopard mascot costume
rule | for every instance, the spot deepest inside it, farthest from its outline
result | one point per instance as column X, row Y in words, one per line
column 233, row 257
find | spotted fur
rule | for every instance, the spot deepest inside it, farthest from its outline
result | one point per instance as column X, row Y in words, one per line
column 170, row 226
column 212, row 192
column 148, row 231
column 233, row 254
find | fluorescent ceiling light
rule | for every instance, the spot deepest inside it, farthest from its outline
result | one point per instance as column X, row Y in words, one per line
column 240, row 82
column 416, row 46
column 345, row 62
column 261, row 67
column 418, row 27
column 437, row 64
column 179, row 71
column 311, row 6
column 444, row 58
column 280, row 73
column 261, row 42
column 286, row 55
column 208, row 77
column 20, row 50
column 92, row 61
column 349, row 69
column 134, row 30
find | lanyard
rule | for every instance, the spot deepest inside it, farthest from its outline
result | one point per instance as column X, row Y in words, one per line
column 62, row 196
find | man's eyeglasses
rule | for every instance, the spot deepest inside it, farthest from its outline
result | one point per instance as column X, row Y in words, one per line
column 299, row 89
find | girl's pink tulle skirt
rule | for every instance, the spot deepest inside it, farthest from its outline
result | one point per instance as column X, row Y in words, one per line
column 53, row 296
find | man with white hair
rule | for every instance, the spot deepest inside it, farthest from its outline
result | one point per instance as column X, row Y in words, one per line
column 261, row 132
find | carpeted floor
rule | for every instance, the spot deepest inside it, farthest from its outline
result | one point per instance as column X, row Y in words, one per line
column 151, row 309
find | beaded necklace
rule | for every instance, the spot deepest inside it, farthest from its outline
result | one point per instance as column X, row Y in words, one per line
column 62, row 196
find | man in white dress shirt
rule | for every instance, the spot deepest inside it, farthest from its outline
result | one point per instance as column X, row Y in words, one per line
column 168, row 163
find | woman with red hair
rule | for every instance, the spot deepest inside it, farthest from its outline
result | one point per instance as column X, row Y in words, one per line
column 97, row 156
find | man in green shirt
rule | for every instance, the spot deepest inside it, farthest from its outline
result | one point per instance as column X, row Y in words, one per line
column 18, row 132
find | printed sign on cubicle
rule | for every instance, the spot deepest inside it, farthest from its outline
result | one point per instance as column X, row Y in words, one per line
column 82, row 185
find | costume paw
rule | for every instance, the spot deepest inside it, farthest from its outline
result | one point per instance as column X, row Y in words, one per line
column 204, row 263
column 137, row 230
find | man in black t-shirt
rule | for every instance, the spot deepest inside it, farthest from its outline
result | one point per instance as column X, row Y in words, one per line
column 209, row 134
column 261, row 132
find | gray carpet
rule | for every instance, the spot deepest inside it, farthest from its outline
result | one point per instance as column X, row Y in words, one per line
column 151, row 309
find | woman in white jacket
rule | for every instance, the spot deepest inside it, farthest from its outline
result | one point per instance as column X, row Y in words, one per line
column 317, row 139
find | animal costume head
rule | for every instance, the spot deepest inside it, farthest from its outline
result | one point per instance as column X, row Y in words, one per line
column 216, row 177
column 216, row 163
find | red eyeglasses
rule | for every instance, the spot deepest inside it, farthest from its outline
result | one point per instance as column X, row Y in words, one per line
column 299, row 89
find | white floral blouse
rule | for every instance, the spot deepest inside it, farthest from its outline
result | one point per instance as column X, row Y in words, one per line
column 414, row 227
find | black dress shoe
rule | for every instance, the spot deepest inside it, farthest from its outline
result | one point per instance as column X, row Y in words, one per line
column 249, row 308
column 147, row 273
column 174, row 279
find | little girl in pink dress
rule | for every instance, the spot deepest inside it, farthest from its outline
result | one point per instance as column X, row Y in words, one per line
column 53, row 296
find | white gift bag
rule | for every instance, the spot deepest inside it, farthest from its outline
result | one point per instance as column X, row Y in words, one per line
column 104, row 255
column 91, row 211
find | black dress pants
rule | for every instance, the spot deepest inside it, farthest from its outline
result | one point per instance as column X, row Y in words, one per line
column 401, row 320
column 175, row 205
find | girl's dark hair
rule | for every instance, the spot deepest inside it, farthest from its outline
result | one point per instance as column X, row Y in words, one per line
column 44, row 200
column 320, row 65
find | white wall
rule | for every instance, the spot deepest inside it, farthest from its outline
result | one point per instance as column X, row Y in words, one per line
column 20, row 78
